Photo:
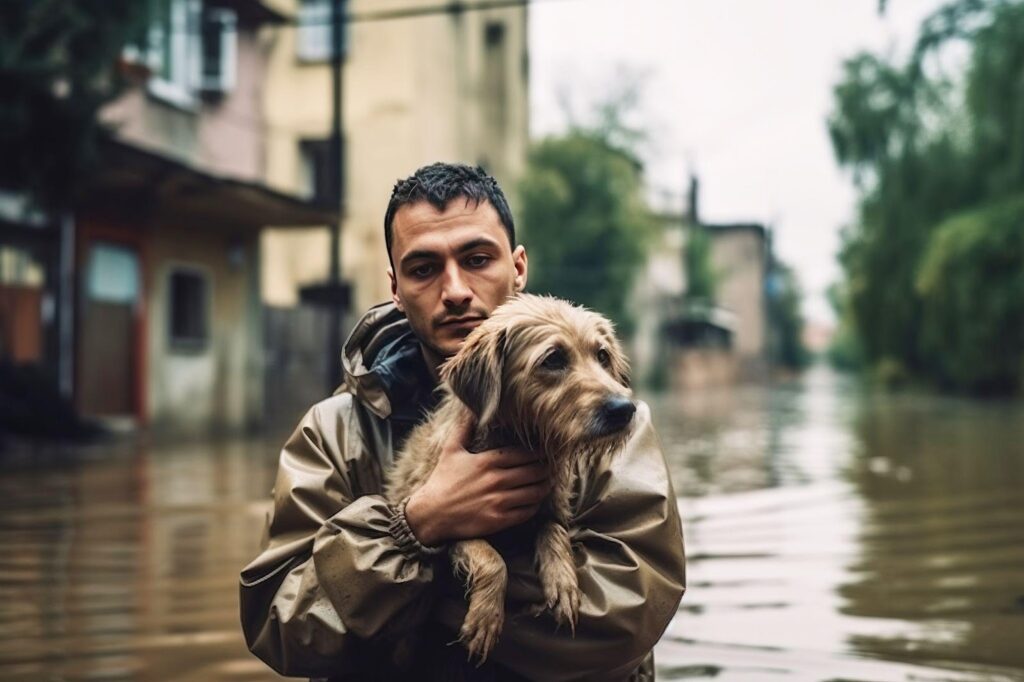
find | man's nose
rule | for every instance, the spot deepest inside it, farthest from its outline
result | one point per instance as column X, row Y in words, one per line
column 455, row 291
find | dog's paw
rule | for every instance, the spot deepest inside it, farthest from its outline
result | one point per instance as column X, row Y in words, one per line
column 480, row 631
column 563, row 599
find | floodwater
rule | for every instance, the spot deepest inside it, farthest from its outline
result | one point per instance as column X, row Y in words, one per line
column 833, row 534
column 840, row 534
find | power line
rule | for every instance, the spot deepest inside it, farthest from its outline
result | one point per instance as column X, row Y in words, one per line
column 454, row 8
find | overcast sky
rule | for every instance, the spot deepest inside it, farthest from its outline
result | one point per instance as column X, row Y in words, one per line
column 737, row 90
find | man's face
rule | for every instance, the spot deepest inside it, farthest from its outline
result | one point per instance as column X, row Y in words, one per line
column 451, row 269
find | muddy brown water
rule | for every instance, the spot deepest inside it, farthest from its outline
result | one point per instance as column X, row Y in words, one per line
column 833, row 533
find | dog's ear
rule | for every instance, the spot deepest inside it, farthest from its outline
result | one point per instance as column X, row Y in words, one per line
column 474, row 375
column 619, row 362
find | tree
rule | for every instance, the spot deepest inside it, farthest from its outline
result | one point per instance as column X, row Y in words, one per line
column 925, row 148
column 701, row 277
column 786, row 319
column 57, row 69
column 971, row 284
column 585, row 219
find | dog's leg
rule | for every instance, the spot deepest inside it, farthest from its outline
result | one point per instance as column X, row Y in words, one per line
column 486, row 577
column 556, row 567
column 558, row 573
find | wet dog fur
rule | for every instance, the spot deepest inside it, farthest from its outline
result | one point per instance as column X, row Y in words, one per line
column 547, row 375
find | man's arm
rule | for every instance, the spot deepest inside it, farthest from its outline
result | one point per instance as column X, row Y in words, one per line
column 332, row 573
column 628, row 545
column 337, row 568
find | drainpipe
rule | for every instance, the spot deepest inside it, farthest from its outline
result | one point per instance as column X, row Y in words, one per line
column 65, row 307
column 338, row 170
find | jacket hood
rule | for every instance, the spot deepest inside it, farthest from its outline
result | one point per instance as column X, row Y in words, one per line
column 383, row 363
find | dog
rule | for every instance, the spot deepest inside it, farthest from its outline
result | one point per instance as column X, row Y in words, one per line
column 547, row 375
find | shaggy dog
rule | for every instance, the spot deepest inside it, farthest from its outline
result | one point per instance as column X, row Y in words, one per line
column 551, row 377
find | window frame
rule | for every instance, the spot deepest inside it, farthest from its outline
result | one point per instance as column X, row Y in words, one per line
column 313, row 18
column 177, row 37
column 184, row 344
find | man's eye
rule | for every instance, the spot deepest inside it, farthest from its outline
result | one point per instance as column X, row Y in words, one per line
column 555, row 360
column 421, row 271
column 478, row 261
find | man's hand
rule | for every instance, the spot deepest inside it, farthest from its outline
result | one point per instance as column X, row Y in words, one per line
column 471, row 495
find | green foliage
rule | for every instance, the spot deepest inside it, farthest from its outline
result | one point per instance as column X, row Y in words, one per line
column 845, row 351
column 922, row 149
column 787, row 349
column 701, row 278
column 971, row 283
column 57, row 69
column 585, row 222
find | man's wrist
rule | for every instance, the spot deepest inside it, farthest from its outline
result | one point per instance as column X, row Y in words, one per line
column 422, row 522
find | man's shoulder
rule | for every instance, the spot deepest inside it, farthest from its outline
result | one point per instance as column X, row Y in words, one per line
column 341, row 405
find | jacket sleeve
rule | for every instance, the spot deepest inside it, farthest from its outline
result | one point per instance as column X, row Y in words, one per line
column 331, row 572
column 628, row 545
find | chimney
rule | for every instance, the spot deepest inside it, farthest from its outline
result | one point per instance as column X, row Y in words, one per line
column 692, row 215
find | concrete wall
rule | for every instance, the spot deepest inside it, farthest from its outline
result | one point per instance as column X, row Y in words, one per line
column 414, row 92
column 221, row 384
column 659, row 283
column 223, row 135
column 738, row 255
column 698, row 368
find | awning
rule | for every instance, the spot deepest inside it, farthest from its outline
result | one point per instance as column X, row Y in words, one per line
column 133, row 177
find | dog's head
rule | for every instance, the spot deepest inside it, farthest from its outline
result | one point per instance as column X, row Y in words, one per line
column 552, row 372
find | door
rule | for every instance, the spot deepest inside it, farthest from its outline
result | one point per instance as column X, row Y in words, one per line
column 108, row 327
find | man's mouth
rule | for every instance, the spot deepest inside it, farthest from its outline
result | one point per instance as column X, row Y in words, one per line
column 461, row 321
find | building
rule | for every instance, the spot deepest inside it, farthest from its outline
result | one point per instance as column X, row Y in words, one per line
column 694, row 341
column 740, row 255
column 448, row 85
column 143, row 302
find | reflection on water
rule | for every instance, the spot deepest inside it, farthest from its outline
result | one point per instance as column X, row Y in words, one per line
column 864, row 536
column 832, row 534
column 125, row 565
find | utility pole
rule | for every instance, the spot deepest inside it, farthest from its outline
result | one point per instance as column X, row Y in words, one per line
column 334, row 294
column 338, row 172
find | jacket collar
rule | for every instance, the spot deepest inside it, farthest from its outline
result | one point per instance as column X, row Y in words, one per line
column 384, row 365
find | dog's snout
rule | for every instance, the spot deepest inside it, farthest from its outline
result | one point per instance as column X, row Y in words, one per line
column 617, row 411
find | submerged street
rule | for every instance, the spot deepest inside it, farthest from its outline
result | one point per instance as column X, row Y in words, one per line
column 833, row 533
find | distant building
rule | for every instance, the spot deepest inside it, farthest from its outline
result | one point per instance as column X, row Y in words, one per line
column 144, row 301
column 444, row 86
column 740, row 257
column 698, row 342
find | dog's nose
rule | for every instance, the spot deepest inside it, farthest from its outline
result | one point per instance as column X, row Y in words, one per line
column 617, row 411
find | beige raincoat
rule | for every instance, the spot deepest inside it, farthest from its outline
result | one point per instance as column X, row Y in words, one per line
column 333, row 590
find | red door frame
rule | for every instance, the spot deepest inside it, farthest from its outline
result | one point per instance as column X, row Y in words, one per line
column 89, row 230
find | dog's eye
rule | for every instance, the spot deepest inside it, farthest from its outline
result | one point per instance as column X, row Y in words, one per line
column 555, row 360
column 604, row 357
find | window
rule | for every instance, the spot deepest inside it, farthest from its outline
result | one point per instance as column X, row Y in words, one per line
column 189, row 309
column 173, row 50
column 316, row 177
column 112, row 274
column 19, row 268
column 218, row 51
column 495, row 86
column 314, row 35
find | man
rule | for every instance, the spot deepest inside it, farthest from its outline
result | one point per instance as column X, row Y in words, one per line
column 345, row 577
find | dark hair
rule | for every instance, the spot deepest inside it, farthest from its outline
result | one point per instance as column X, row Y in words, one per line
column 439, row 183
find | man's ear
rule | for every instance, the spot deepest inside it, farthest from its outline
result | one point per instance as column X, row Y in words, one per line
column 394, row 290
column 519, row 262
column 474, row 375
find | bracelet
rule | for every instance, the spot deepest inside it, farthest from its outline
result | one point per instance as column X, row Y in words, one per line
column 405, row 538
